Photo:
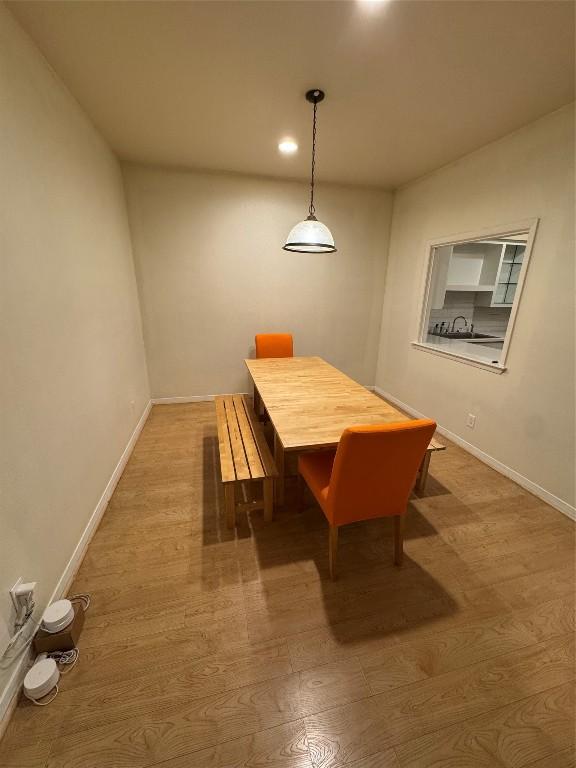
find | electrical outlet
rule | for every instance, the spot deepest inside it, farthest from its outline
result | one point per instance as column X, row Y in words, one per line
column 471, row 420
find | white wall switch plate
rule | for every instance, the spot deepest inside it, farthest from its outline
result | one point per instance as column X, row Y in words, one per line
column 471, row 420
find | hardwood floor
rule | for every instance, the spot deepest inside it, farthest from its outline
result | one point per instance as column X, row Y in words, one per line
column 205, row 648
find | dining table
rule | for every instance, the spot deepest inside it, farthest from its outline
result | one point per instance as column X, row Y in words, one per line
column 310, row 403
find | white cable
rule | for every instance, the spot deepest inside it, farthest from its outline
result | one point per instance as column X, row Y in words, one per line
column 20, row 623
column 67, row 658
column 16, row 635
column 83, row 598
column 38, row 703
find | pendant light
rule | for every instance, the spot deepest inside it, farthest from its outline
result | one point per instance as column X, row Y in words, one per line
column 310, row 235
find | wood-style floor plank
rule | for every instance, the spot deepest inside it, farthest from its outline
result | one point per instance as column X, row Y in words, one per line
column 564, row 759
column 463, row 646
column 530, row 730
column 178, row 728
column 385, row 759
column 210, row 648
column 357, row 730
column 133, row 694
column 281, row 747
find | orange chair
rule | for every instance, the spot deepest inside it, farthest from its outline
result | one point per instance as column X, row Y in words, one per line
column 274, row 345
column 371, row 474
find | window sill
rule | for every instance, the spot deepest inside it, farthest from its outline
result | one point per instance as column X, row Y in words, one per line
column 467, row 360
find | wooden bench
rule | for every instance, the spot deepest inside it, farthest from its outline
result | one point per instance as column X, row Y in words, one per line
column 423, row 471
column 244, row 456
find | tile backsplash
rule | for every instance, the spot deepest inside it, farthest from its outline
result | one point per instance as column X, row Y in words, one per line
column 493, row 320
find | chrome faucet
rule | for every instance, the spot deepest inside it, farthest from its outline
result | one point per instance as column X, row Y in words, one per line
column 460, row 317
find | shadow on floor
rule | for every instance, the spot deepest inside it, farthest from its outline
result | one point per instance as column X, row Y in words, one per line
column 433, row 488
column 214, row 529
column 370, row 598
column 288, row 559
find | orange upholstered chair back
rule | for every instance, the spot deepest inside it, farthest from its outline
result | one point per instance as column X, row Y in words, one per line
column 375, row 468
column 274, row 345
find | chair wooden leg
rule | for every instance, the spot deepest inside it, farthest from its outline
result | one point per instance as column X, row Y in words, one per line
column 398, row 539
column 268, row 499
column 333, row 550
column 230, row 503
column 301, row 494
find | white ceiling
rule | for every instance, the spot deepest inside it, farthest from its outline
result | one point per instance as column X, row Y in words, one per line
column 411, row 85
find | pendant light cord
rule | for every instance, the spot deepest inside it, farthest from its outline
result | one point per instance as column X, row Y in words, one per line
column 311, row 208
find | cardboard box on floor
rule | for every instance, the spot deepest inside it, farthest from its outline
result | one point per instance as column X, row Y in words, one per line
column 65, row 640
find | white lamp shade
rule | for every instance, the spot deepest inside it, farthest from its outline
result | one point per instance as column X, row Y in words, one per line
column 310, row 236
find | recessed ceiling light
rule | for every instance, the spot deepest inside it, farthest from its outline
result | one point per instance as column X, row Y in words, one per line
column 373, row 6
column 288, row 146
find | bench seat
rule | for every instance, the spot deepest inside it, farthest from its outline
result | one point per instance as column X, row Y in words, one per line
column 433, row 446
column 244, row 456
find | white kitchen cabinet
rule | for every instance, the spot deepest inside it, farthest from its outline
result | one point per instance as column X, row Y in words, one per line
column 490, row 269
column 473, row 267
column 440, row 276
column 511, row 260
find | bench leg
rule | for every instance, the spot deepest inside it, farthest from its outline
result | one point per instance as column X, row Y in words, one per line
column 398, row 539
column 279, row 461
column 268, row 499
column 423, row 474
column 230, row 501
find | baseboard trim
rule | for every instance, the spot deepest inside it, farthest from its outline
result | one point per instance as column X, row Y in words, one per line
column 512, row 474
column 78, row 554
column 10, row 707
column 9, row 696
column 190, row 398
column 203, row 398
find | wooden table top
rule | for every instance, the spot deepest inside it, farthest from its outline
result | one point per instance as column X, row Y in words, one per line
column 310, row 403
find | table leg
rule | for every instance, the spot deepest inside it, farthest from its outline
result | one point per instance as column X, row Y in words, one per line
column 279, row 461
column 423, row 474
column 257, row 402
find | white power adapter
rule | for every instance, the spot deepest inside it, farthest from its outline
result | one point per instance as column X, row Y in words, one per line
column 43, row 677
column 58, row 616
column 23, row 599
column 24, row 590
column 23, row 596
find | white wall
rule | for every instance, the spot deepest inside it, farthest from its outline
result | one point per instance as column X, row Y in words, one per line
column 212, row 273
column 525, row 417
column 73, row 381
